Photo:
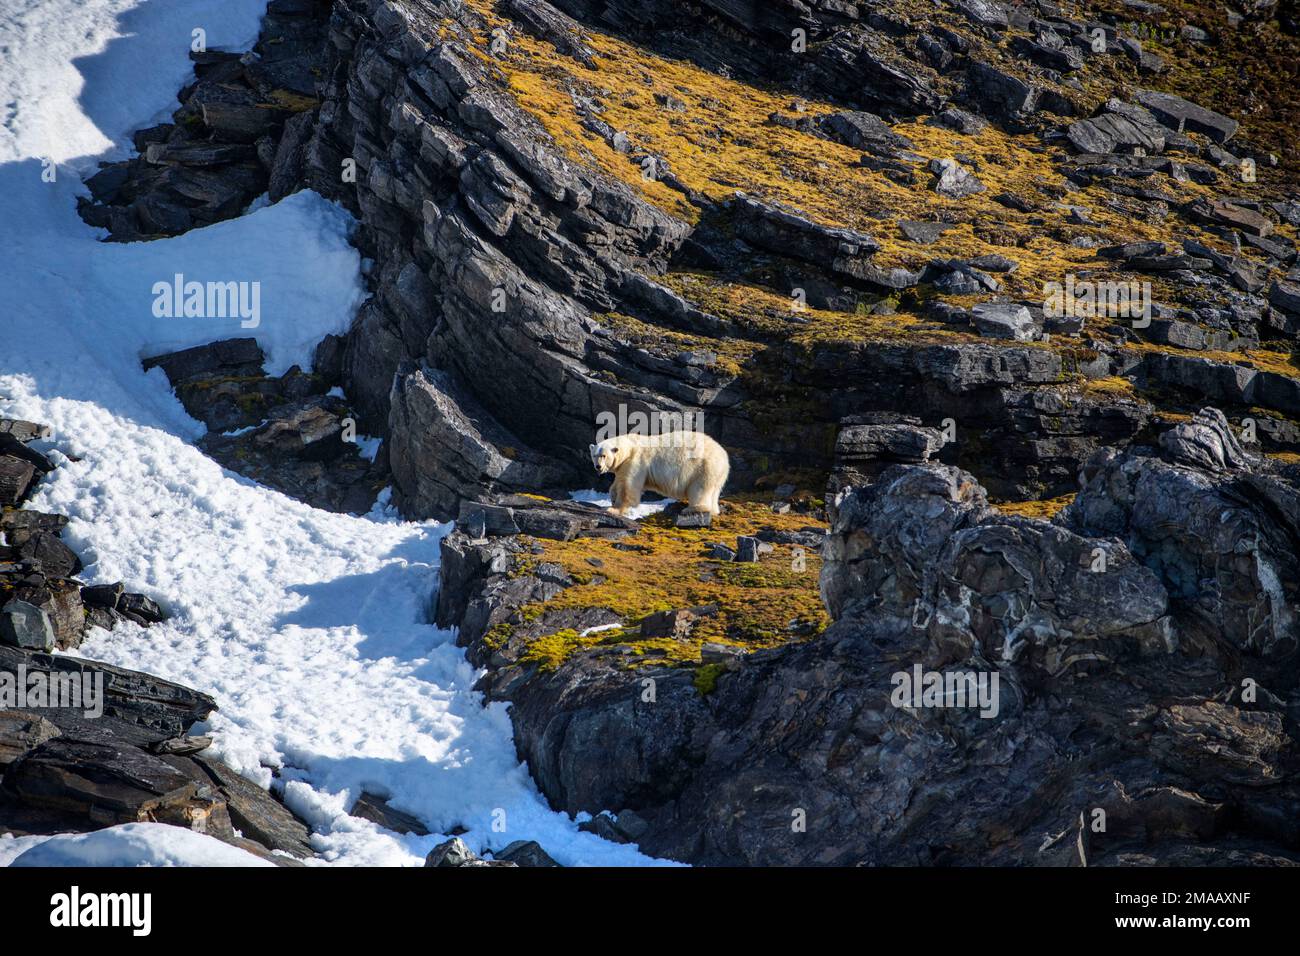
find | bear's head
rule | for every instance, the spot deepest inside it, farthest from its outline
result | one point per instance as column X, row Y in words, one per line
column 608, row 455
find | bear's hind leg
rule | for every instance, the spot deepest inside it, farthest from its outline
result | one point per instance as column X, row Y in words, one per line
column 698, row 500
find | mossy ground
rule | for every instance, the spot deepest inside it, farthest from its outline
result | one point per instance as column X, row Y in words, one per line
column 717, row 138
column 761, row 604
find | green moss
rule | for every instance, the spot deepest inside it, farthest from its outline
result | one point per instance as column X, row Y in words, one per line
column 706, row 678
column 551, row 650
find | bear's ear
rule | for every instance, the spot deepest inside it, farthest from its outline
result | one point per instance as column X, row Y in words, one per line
column 591, row 449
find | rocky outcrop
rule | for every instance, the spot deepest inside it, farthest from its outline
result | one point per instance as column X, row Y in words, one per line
column 42, row 605
column 291, row 432
column 446, row 449
column 1083, row 704
column 237, row 134
column 498, row 253
column 68, row 768
column 1133, row 650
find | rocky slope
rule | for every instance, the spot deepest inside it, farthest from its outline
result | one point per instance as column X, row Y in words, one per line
column 926, row 270
column 85, row 745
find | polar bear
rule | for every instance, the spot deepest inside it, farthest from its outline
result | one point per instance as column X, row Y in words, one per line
column 688, row 466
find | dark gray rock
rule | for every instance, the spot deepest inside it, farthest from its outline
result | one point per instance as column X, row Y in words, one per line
column 1218, row 530
column 102, row 595
column 26, row 626
column 1179, row 114
column 376, row 809
column 750, row 549
column 1206, row 442
column 863, row 131
column 1004, row 95
column 525, row 853
column 20, row 732
column 447, row 449
column 866, row 446
column 1111, row 131
column 786, row 232
column 1220, row 212
column 1004, row 320
column 16, row 477
column 257, row 814
column 159, row 707
column 962, row 121
column 1285, row 295
column 23, row 431
column 923, row 232
column 47, row 551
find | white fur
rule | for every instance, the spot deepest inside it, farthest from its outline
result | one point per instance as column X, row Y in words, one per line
column 688, row 466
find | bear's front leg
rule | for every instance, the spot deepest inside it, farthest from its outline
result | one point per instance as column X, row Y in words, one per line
column 617, row 495
column 626, row 494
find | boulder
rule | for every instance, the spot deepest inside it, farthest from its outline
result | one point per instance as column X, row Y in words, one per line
column 1220, row 212
column 16, row 477
column 26, row 626
column 786, row 232
column 524, row 853
column 446, row 448
column 22, row 731
column 453, row 854
column 1004, row 320
column 1219, row 531
column 953, row 180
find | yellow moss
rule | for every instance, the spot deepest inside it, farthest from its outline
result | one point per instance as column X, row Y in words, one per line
column 1046, row 509
column 761, row 604
column 295, row 102
column 1112, row 386
column 1263, row 360
column 721, row 140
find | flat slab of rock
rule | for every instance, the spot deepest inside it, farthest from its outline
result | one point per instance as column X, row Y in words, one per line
column 158, row 705
column 1180, row 114
column 1285, row 295
column 787, row 232
column 228, row 357
column 923, row 232
column 1220, row 212
column 108, row 784
column 376, row 810
column 256, row 813
column 541, row 518
column 23, row 431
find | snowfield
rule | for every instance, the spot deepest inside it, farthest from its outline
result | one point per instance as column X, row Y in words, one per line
column 308, row 627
